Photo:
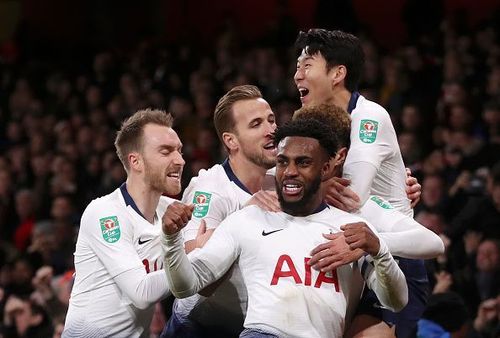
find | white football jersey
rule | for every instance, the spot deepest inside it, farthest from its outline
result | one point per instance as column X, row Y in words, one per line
column 286, row 296
column 216, row 193
column 374, row 141
column 113, row 238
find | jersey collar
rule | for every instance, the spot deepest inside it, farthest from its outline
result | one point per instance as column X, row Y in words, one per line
column 321, row 207
column 232, row 177
column 129, row 200
column 352, row 101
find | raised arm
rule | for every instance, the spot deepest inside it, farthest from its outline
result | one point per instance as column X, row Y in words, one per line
column 188, row 275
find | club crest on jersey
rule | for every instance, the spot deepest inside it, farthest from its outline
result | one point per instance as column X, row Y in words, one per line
column 381, row 202
column 368, row 131
column 110, row 228
column 201, row 201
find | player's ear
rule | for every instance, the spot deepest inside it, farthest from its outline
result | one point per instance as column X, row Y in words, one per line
column 337, row 161
column 135, row 161
column 230, row 140
column 326, row 171
column 340, row 156
column 338, row 74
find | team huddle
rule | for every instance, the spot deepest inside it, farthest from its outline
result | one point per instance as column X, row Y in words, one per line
column 327, row 250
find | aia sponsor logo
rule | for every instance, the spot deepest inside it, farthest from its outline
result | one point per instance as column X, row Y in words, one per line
column 285, row 269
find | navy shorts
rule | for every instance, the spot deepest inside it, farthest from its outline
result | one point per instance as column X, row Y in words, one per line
column 176, row 328
column 418, row 290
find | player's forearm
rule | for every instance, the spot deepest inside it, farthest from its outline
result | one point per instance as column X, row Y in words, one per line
column 410, row 239
column 388, row 281
column 143, row 289
column 184, row 278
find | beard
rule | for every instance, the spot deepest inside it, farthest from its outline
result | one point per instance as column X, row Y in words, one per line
column 157, row 180
column 259, row 159
column 299, row 207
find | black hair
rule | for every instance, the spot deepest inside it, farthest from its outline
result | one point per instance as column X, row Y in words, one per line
column 338, row 48
column 309, row 128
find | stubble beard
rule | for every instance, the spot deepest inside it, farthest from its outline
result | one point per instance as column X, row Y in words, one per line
column 260, row 159
column 157, row 180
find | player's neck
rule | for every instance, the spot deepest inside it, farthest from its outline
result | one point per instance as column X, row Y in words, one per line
column 146, row 199
column 249, row 173
column 305, row 209
column 340, row 97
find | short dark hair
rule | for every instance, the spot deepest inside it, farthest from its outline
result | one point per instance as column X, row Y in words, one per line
column 309, row 128
column 129, row 137
column 338, row 48
column 223, row 114
column 333, row 116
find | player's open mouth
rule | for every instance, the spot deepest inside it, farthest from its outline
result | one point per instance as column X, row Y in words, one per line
column 175, row 175
column 270, row 146
column 303, row 92
column 292, row 188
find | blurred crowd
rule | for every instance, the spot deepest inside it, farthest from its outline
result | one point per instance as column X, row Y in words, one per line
column 58, row 123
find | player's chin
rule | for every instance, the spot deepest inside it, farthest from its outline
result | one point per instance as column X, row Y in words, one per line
column 172, row 186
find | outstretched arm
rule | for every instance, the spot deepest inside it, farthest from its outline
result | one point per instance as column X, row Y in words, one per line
column 186, row 276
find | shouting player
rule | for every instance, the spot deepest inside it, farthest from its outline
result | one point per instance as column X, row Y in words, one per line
column 285, row 296
column 328, row 71
column 118, row 257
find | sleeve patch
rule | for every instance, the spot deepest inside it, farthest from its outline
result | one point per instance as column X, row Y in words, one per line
column 110, row 228
column 368, row 131
column 201, row 201
column 381, row 202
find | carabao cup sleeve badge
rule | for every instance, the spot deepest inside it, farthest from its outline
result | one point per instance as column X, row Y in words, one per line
column 110, row 228
column 201, row 201
column 368, row 131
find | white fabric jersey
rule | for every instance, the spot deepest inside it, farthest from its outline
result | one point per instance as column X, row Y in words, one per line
column 216, row 193
column 403, row 235
column 286, row 296
column 118, row 263
column 374, row 163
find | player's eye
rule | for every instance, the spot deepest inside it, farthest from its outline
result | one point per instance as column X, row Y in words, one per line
column 255, row 124
column 304, row 163
column 281, row 162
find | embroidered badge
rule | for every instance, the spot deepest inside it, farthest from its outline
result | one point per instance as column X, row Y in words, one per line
column 381, row 202
column 110, row 228
column 368, row 131
column 201, row 201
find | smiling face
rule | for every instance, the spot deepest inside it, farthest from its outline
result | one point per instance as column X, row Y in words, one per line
column 254, row 126
column 301, row 166
column 163, row 162
column 314, row 82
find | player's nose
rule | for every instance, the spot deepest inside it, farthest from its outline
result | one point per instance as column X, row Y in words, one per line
column 178, row 159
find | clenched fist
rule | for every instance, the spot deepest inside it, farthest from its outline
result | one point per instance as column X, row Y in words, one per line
column 176, row 217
